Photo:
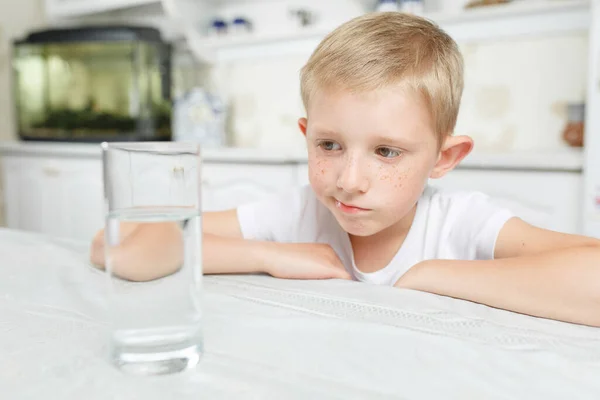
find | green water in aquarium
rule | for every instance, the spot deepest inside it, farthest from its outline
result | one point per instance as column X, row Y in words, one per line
column 89, row 90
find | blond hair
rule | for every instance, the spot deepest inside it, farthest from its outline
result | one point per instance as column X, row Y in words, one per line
column 378, row 50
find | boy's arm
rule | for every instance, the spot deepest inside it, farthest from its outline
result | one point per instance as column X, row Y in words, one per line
column 535, row 271
column 152, row 251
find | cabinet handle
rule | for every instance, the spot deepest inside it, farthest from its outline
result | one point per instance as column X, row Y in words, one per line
column 49, row 171
column 177, row 169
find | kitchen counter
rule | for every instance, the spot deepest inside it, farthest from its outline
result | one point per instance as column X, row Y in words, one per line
column 566, row 159
column 85, row 150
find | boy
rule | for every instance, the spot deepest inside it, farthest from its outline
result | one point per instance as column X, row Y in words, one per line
column 382, row 95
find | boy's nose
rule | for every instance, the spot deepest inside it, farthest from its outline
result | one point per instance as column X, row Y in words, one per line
column 352, row 178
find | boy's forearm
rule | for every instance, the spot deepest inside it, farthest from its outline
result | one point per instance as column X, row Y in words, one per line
column 153, row 251
column 562, row 285
column 223, row 255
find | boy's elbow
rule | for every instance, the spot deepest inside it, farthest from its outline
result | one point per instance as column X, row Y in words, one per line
column 137, row 268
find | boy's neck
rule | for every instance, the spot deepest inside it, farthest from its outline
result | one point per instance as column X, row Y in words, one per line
column 372, row 253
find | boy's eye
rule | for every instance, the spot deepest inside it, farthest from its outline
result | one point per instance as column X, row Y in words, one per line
column 329, row 145
column 386, row 152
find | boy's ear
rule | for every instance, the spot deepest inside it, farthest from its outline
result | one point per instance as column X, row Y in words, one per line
column 454, row 149
column 302, row 125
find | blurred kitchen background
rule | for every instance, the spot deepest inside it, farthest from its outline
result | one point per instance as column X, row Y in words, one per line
column 225, row 73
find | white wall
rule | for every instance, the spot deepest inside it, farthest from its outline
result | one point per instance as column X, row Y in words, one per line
column 516, row 91
column 515, row 94
column 16, row 18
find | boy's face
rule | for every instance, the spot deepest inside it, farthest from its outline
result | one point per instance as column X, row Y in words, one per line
column 369, row 156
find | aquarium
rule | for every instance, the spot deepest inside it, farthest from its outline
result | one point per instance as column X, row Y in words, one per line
column 93, row 84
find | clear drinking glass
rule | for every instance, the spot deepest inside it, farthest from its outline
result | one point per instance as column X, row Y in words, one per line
column 155, row 274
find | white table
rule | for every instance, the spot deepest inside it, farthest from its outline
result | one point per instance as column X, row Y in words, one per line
column 276, row 339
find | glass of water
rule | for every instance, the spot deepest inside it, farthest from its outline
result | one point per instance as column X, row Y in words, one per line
column 153, row 255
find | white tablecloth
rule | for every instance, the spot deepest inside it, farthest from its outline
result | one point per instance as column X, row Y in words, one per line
column 276, row 339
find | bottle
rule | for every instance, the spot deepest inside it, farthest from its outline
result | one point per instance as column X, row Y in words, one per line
column 573, row 131
column 199, row 116
column 387, row 5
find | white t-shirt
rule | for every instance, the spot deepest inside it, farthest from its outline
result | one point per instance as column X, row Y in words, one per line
column 453, row 225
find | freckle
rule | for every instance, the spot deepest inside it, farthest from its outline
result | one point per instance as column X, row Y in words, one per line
column 322, row 172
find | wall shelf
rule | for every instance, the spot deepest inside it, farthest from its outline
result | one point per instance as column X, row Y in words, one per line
column 538, row 17
column 256, row 46
column 523, row 18
column 565, row 159
column 187, row 17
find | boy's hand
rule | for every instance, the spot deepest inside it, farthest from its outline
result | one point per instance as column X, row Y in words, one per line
column 305, row 261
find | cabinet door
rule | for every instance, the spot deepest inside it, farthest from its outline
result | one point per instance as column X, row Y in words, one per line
column 226, row 186
column 58, row 197
column 542, row 198
column 23, row 194
column 81, row 201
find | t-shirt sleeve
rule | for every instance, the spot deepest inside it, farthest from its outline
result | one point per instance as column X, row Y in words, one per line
column 273, row 218
column 478, row 220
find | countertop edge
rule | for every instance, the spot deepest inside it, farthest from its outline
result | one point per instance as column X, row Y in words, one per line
column 567, row 159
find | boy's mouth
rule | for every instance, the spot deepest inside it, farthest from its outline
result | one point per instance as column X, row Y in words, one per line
column 348, row 208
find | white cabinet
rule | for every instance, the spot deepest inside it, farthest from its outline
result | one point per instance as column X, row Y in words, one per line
column 226, row 186
column 61, row 197
column 548, row 199
column 57, row 190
